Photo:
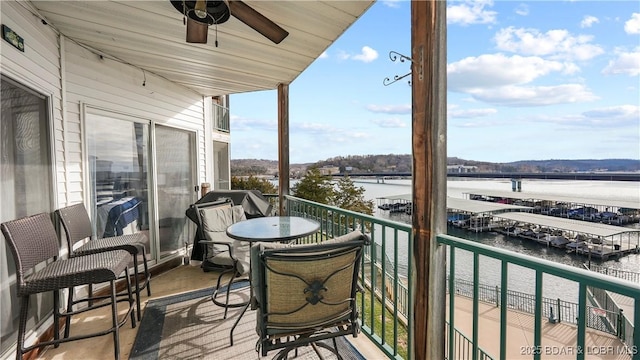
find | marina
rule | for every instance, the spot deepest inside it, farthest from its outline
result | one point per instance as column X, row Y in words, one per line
column 601, row 229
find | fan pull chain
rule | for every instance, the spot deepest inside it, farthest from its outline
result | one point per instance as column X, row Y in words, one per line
column 216, row 34
column 184, row 13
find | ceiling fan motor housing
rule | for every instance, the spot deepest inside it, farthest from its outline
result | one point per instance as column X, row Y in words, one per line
column 217, row 11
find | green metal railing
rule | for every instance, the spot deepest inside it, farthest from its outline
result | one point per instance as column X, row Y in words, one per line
column 463, row 346
column 385, row 272
column 541, row 267
column 556, row 310
column 633, row 276
column 382, row 324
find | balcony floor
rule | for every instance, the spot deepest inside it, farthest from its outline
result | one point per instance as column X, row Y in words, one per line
column 558, row 339
column 175, row 281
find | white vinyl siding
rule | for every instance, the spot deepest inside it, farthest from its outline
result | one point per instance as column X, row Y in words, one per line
column 112, row 86
column 38, row 67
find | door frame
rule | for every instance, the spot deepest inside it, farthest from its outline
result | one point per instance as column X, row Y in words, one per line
column 87, row 110
column 195, row 154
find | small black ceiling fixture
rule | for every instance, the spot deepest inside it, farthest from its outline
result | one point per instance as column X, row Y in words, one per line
column 201, row 14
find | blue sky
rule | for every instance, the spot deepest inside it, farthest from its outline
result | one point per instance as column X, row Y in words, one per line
column 526, row 81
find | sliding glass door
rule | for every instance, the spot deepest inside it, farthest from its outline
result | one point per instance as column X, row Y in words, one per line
column 120, row 160
column 25, row 189
column 175, row 168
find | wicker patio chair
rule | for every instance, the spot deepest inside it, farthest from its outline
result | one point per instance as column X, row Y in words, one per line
column 306, row 293
column 77, row 227
column 33, row 241
column 231, row 255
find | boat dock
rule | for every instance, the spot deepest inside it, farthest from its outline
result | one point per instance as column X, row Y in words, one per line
column 594, row 233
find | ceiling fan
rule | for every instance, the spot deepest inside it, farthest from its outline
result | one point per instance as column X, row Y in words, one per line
column 202, row 13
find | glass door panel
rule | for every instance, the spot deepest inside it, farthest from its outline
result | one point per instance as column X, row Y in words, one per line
column 175, row 164
column 118, row 153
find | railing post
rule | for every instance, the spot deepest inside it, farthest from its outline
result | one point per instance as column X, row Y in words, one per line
column 497, row 296
column 452, row 297
column 619, row 321
column 582, row 320
column 559, row 310
column 504, row 279
column 537, row 326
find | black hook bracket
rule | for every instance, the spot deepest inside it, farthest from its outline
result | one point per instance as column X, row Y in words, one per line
column 394, row 56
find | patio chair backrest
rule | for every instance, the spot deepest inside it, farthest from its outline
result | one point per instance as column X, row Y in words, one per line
column 76, row 223
column 214, row 222
column 306, row 288
column 32, row 240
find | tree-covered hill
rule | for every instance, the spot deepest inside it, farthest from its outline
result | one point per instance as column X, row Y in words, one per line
column 393, row 163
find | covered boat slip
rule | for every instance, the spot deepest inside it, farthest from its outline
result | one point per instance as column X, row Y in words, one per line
column 602, row 241
column 611, row 211
column 469, row 214
column 594, row 239
column 539, row 197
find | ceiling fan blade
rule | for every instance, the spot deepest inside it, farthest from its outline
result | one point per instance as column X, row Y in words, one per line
column 257, row 21
column 196, row 31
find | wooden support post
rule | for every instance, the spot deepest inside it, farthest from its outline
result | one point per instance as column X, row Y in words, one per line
column 283, row 145
column 429, row 102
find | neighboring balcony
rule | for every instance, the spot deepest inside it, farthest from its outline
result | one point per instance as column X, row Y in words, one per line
column 221, row 118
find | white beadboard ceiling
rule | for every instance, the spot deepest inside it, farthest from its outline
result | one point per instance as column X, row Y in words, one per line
column 151, row 35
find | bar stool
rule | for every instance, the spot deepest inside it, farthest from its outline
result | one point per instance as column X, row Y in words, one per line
column 33, row 241
column 77, row 226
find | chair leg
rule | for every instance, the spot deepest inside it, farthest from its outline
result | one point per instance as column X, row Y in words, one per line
column 131, row 299
column 226, row 303
column 24, row 307
column 114, row 318
column 56, row 317
column 215, row 293
column 137, row 284
column 147, row 275
column 67, row 319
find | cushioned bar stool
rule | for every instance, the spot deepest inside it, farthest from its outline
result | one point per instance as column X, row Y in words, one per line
column 33, row 240
column 77, row 226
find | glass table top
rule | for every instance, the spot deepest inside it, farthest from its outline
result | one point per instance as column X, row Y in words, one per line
column 273, row 228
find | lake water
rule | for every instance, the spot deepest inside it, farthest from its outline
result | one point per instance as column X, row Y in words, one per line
column 520, row 279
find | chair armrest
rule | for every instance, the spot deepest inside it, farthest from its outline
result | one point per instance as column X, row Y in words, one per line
column 228, row 245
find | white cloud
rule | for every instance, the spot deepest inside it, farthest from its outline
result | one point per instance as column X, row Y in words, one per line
column 390, row 123
column 588, row 20
column 518, row 96
column 471, row 12
column 242, row 123
column 314, row 128
column 522, row 10
column 367, row 55
column 613, row 116
column 625, row 63
column 470, row 113
column 632, row 26
column 390, row 109
column 623, row 114
column 391, row 3
column 324, row 55
column 494, row 70
column 558, row 44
